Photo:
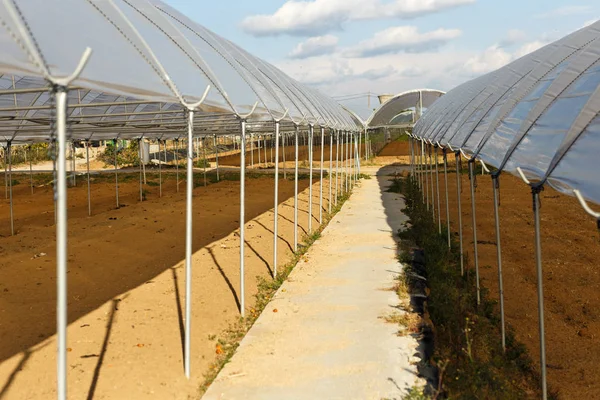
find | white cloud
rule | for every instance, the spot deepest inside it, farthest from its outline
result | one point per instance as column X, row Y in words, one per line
column 316, row 17
column 492, row 58
column 529, row 48
column 564, row 12
column 513, row 36
column 402, row 39
column 315, row 46
column 495, row 57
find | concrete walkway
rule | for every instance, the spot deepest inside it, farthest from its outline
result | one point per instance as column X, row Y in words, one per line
column 323, row 336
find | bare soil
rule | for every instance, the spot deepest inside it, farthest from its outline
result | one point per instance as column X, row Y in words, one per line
column 126, row 283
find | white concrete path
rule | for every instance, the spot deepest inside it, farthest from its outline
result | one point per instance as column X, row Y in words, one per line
column 322, row 337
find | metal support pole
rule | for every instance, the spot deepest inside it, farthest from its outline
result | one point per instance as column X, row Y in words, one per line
column 321, row 180
column 426, row 166
column 160, row 171
column 540, row 286
column 30, row 170
column 460, row 228
column 337, row 165
column 204, row 158
column 10, row 190
column 87, row 162
column 60, row 94
column 310, row 184
column 437, row 182
column 74, row 177
column 217, row 157
column 276, row 206
column 283, row 148
column 296, row 193
column 242, row 217
column 430, row 153
column 252, row 150
column 188, row 243
column 140, row 147
column 177, row 164
column 330, row 168
column 258, row 151
column 496, row 186
column 447, row 204
column 346, row 160
column 265, row 148
column 474, row 219
column 116, row 174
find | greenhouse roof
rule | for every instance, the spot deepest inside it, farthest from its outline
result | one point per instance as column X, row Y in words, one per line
column 538, row 115
column 148, row 62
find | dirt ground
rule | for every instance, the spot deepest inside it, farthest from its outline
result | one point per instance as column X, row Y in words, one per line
column 570, row 250
column 234, row 159
column 126, row 283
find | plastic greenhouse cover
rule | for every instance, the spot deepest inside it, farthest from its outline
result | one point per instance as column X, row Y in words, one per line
column 147, row 60
column 543, row 118
column 387, row 111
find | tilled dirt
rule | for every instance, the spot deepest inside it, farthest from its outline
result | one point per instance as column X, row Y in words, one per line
column 126, row 283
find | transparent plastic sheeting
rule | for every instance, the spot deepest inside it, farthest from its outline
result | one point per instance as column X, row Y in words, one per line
column 388, row 111
column 539, row 113
column 148, row 59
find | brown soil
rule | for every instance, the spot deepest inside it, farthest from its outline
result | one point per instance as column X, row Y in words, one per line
column 234, row 159
column 570, row 252
column 394, row 148
column 126, row 283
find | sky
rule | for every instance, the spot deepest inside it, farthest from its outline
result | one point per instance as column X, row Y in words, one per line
column 352, row 47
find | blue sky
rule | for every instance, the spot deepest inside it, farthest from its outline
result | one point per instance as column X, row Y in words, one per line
column 347, row 47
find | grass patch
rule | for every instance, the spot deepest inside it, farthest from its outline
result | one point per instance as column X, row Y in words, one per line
column 267, row 287
column 468, row 348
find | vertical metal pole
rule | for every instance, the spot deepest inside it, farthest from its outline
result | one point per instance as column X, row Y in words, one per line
column 252, row 150
column 460, row 227
column 421, row 169
column 217, row 157
column 188, row 242
column 242, row 218
column 271, row 142
column 430, row 153
column 437, row 182
column 346, row 160
column 283, row 148
column 447, row 204
column 30, row 170
column 337, row 165
column 321, row 180
column 496, row 186
column 426, row 166
column 10, row 191
column 296, row 194
column 540, row 286
column 258, row 151
column 160, row 170
column 116, row 174
column 276, row 206
column 177, row 163
column 204, row 158
column 474, row 219
column 310, row 184
column 330, row 168
column 60, row 95
column 265, row 148
column 140, row 148
column 73, row 164
column 87, row 162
